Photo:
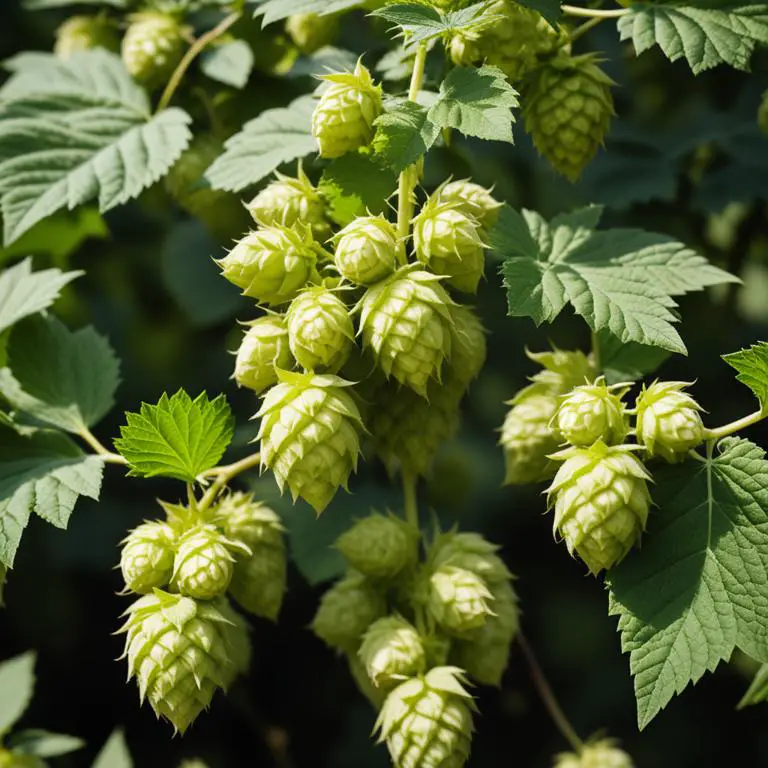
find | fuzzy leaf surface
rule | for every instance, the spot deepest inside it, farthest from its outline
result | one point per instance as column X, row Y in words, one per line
column 114, row 753
column 17, row 682
column 698, row 588
column 403, row 135
column 752, row 367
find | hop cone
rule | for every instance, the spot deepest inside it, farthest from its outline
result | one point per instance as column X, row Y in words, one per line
column 567, row 108
column 287, row 201
column 365, row 250
column 258, row 581
column 391, row 650
column 406, row 322
column 152, row 47
column 459, row 600
column 263, row 349
column 320, row 331
column 310, row 435
column 599, row 754
column 360, row 675
column 472, row 552
column 271, row 265
column 204, row 562
column 601, row 500
column 147, row 556
column 83, row 33
column 448, row 241
column 310, row 31
column 472, row 200
column 346, row 611
column 380, row 546
column 562, row 370
column 343, row 118
column 762, row 114
column 468, row 347
column 20, row 760
column 668, row 420
column 592, row 412
column 253, row 523
column 239, row 642
column 180, row 651
column 427, row 721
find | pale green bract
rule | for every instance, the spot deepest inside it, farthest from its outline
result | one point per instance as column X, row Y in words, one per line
column 459, row 599
column 592, row 412
column 146, row 559
column 263, row 349
column 366, row 250
column 152, row 47
column 391, row 651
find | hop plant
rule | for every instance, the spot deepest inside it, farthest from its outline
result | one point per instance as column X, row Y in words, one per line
column 592, row 412
column 258, row 581
column 320, row 331
column 310, row 435
column 567, row 108
column 472, row 200
column 83, row 33
column 380, row 546
column 668, row 421
column 343, row 118
column 427, row 721
column 468, row 346
column 471, row 552
column 346, row 611
column 264, row 348
column 288, row 201
column 406, row 322
column 459, row 600
column 10, row 759
column 448, row 241
column 598, row 754
column 152, row 47
column 601, row 500
column 391, row 651
column 311, row 31
column 251, row 522
column 366, row 250
column 272, row 264
column 762, row 114
column 146, row 560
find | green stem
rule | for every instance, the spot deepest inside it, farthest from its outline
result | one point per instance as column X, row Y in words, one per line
column 585, row 27
column 594, row 13
column 224, row 475
column 410, row 505
column 735, row 426
column 596, row 351
column 100, row 448
column 548, row 697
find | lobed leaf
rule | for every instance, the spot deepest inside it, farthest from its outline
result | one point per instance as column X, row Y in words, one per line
column 621, row 361
column 230, row 63
column 403, row 135
column 752, row 367
column 277, row 10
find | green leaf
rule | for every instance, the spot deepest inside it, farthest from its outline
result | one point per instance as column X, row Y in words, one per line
column 758, row 689
column 420, row 22
column 403, row 135
column 179, row 437
column 114, row 753
column 24, row 293
column 39, row 5
column 276, row 10
column 275, row 137
column 17, row 682
column 354, row 184
column 43, row 744
column 477, row 102
column 549, row 9
column 619, row 280
column 86, row 133
column 705, row 34
column 621, row 361
column 230, row 63
column 63, row 378
column 697, row 589
column 752, row 367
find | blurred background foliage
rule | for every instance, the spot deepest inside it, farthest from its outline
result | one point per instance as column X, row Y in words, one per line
column 684, row 157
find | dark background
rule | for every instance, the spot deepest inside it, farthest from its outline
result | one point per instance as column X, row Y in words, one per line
column 685, row 158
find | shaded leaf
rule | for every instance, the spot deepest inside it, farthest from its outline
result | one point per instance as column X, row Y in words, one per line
column 752, row 367
column 17, row 682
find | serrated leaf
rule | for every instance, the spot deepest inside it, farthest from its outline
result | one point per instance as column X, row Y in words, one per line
column 230, row 63
column 476, row 102
column 85, row 133
column 63, row 378
column 276, row 10
column 43, row 744
column 114, row 753
column 752, row 367
column 24, row 293
column 621, row 361
column 420, row 22
column 17, row 682
column 275, row 137
column 697, row 589
column 404, row 133
column 705, row 34
column 619, row 280
column 178, row 437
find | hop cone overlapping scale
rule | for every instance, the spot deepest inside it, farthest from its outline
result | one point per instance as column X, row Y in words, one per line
column 311, row 31
column 366, row 250
column 263, row 350
column 391, row 651
column 147, row 556
column 597, row 754
column 83, row 33
column 152, row 47
column 592, row 412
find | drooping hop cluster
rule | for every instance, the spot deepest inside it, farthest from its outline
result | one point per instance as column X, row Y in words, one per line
column 184, row 640
column 592, row 412
column 83, row 33
column 310, row 31
column 153, row 46
column 597, row 754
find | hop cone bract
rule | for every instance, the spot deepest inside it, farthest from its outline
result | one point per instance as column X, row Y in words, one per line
column 263, row 349
column 258, row 581
column 598, row 754
column 366, row 249
column 601, row 500
column 459, row 600
column 392, row 649
column 311, row 31
column 472, row 552
column 468, row 345
column 83, row 33
column 472, row 200
column 152, row 47
column 244, row 519
column 147, row 556
column 592, row 412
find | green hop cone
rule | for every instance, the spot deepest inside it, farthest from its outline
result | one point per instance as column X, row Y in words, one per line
column 311, row 31
column 468, row 347
column 448, row 241
column 320, row 330
column 152, row 47
column 204, row 562
column 762, row 114
column 406, row 321
column 258, row 581
column 459, row 600
column 598, row 754
column 263, row 349
column 668, row 420
column 287, row 201
column 601, row 501
column 472, row 552
column 346, row 611
column 343, row 118
column 272, row 264
column 472, row 200
column 310, row 435
column 562, row 370
column 392, row 650
column 249, row 521
column 360, row 675
column 180, row 651
column 380, row 546
column 592, row 412
column 19, row 760
column 83, row 33
column 366, row 250
column 147, row 556
column 567, row 108
column 427, row 721
column 238, row 637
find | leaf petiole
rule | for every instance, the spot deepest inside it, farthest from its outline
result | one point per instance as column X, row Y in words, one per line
column 736, row 426
column 594, row 13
